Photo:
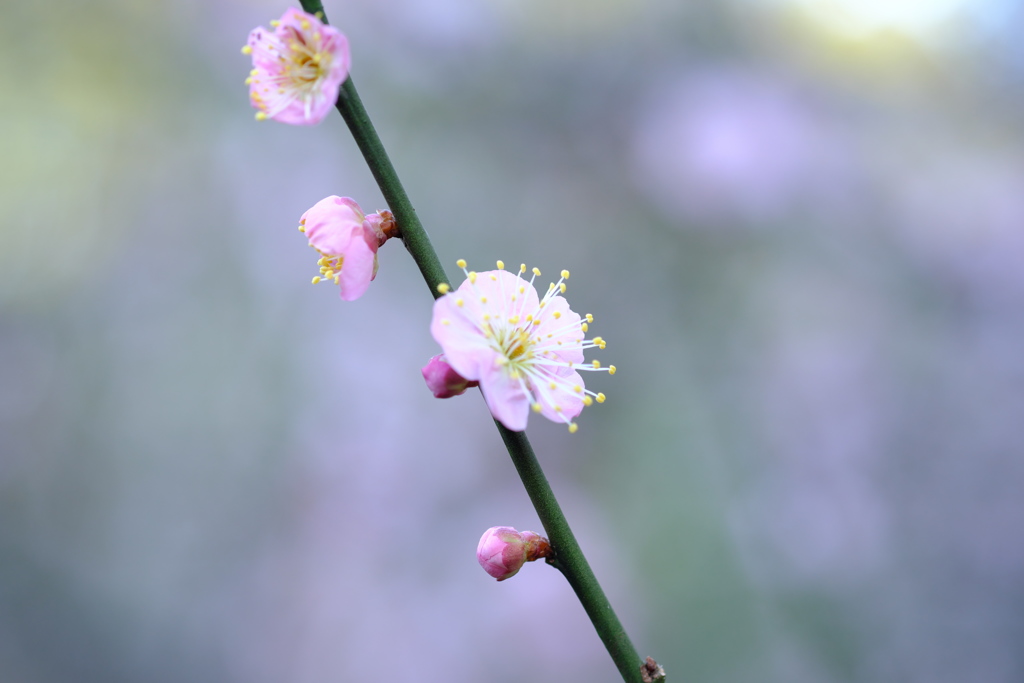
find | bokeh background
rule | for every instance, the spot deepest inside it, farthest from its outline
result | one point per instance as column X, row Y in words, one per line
column 799, row 224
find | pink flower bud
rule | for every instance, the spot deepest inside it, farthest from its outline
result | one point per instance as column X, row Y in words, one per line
column 502, row 550
column 442, row 380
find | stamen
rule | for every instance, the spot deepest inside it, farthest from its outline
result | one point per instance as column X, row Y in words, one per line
column 444, row 287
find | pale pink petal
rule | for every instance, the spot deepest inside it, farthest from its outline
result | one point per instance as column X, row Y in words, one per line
column 456, row 329
column 565, row 329
column 331, row 223
column 507, row 401
column 563, row 395
column 358, row 269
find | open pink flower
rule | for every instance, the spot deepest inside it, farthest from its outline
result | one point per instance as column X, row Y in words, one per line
column 524, row 350
column 347, row 240
column 297, row 68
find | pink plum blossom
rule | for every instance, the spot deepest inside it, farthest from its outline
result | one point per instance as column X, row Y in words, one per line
column 503, row 551
column 298, row 68
column 347, row 240
column 525, row 351
column 442, row 380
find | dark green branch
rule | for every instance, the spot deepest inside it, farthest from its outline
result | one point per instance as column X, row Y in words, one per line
column 569, row 558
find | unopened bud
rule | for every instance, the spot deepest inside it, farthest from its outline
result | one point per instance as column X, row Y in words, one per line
column 502, row 550
column 442, row 379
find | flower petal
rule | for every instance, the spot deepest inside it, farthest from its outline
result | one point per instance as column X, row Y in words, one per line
column 505, row 397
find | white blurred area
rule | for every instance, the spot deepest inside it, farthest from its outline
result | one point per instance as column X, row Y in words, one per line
column 799, row 224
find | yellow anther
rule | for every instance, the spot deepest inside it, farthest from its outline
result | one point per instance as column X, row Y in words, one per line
column 522, row 267
column 556, row 315
column 494, row 277
column 587, row 401
column 589, row 318
column 611, row 369
column 600, row 397
column 514, row 374
column 536, row 321
column 487, row 316
column 577, row 388
column 446, row 321
column 602, row 346
column 254, row 72
column 553, row 385
column 584, row 327
column 302, row 228
column 483, row 299
column 596, row 364
column 305, row 24
column 565, row 274
column 501, row 265
column 261, row 116
column 551, row 286
column 249, row 80
column 529, row 318
column 328, row 273
column 562, row 288
column 275, row 22
column 558, row 409
column 597, row 340
column 461, row 263
column 247, row 50
column 444, row 287
column 472, row 276
column 336, row 279
column 573, row 427
column 514, row 319
column 536, row 407
column 536, row 271
column 522, row 290
column 316, row 280
column 459, row 302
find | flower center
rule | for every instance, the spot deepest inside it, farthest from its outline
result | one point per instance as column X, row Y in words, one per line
column 515, row 344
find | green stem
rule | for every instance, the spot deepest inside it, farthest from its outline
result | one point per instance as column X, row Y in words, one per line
column 568, row 556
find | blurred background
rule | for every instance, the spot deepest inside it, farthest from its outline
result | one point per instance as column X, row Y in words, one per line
column 799, row 224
